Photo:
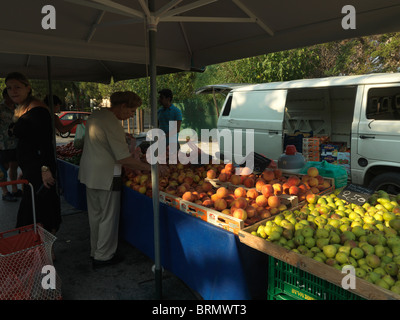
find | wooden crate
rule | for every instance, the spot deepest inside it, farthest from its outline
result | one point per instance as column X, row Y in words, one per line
column 330, row 180
column 214, row 217
column 364, row 288
column 216, row 183
column 289, row 200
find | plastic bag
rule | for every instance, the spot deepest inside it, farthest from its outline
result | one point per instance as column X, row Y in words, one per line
column 329, row 170
column 79, row 136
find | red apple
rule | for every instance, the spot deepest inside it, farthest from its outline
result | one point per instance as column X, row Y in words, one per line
column 293, row 181
column 268, row 175
column 262, row 201
column 222, row 192
column 187, row 196
column 220, row 204
column 274, row 201
column 240, row 203
column 207, row 186
column 311, row 198
column 249, row 182
column 312, row 172
column 235, row 179
column 267, row 190
column 252, row 194
column 211, row 174
column 294, row 190
column 240, row 192
column 278, row 190
column 223, row 177
column 240, row 214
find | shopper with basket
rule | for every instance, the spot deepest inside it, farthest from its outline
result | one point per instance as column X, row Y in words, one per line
column 26, row 250
column 35, row 154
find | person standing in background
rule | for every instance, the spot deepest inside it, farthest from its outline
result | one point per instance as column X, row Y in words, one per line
column 169, row 112
column 8, row 145
column 57, row 103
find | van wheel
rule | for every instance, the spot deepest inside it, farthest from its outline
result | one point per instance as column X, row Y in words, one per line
column 389, row 182
column 65, row 134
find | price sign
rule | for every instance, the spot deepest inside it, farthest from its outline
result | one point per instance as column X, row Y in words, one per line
column 355, row 194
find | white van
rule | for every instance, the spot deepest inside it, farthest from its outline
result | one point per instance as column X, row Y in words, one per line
column 361, row 111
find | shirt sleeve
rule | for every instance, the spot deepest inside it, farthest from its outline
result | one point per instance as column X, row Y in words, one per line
column 178, row 114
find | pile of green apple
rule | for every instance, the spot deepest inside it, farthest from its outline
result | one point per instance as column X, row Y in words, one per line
column 337, row 233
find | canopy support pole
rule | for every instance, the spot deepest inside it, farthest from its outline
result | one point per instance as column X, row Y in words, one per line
column 52, row 115
column 152, row 30
column 50, row 95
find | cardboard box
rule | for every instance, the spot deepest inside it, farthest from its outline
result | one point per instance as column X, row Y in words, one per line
column 212, row 216
column 170, row 200
column 329, row 150
column 311, row 149
column 343, row 160
column 329, row 159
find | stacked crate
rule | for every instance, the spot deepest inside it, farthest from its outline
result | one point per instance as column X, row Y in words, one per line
column 311, row 149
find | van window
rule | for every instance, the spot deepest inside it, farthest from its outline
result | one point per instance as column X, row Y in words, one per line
column 228, row 105
column 383, row 104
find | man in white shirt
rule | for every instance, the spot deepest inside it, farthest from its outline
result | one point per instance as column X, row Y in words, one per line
column 104, row 152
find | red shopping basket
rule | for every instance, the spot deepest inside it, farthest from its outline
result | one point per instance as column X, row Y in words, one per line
column 26, row 266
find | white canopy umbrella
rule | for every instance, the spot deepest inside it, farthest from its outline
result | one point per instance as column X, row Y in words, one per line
column 74, row 69
column 190, row 34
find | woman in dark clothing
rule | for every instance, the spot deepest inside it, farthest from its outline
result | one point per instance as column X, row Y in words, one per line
column 35, row 155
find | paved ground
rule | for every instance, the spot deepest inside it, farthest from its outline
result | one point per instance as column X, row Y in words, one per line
column 132, row 279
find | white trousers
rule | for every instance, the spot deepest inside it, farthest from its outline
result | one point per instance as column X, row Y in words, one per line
column 103, row 213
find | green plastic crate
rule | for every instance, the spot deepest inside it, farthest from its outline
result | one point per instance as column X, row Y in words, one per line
column 281, row 297
column 285, row 279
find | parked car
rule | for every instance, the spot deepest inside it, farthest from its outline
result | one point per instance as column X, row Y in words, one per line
column 67, row 117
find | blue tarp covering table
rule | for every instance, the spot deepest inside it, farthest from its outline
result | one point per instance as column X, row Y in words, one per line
column 73, row 191
column 210, row 260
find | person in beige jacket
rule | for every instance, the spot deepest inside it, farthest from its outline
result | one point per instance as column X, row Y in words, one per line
column 105, row 151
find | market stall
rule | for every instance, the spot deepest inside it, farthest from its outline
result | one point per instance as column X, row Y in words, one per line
column 321, row 242
column 71, row 189
column 264, row 235
column 210, row 260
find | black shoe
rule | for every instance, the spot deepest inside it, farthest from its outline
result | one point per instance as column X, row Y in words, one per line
column 8, row 197
column 99, row 263
column 17, row 194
